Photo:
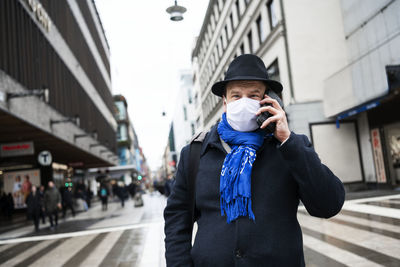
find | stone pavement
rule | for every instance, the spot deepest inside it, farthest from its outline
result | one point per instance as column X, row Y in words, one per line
column 365, row 233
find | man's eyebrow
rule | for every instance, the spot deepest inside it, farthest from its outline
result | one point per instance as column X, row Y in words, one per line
column 258, row 90
column 233, row 91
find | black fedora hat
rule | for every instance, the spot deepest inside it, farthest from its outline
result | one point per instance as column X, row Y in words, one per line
column 246, row 67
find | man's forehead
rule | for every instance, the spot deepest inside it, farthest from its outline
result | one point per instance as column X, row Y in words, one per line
column 245, row 85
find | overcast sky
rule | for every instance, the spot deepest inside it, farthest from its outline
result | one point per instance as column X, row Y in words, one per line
column 147, row 52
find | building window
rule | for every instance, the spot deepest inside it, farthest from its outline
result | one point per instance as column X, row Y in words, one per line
column 231, row 24
column 273, row 20
column 184, row 113
column 216, row 12
column 250, row 38
column 121, row 110
column 196, row 98
column 225, row 43
column 222, row 45
column 122, row 134
column 237, row 8
column 261, row 31
column 220, row 5
column 273, row 71
column 193, row 129
column 190, row 95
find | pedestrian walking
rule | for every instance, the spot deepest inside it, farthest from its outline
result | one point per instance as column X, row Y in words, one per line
column 132, row 189
column 34, row 206
column 68, row 201
column 10, row 206
column 42, row 211
column 103, row 193
column 89, row 196
column 3, row 204
column 52, row 203
column 121, row 194
column 249, row 181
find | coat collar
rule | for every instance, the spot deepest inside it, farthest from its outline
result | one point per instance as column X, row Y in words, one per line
column 213, row 140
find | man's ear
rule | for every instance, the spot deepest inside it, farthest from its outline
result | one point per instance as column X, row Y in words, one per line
column 224, row 102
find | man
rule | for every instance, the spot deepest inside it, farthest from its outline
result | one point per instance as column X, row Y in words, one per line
column 52, row 203
column 248, row 183
column 34, row 206
column 68, row 201
column 42, row 212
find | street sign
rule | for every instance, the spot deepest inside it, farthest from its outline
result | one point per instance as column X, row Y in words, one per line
column 45, row 158
column 378, row 156
column 16, row 149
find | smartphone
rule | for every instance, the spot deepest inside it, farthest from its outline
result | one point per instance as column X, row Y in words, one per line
column 265, row 115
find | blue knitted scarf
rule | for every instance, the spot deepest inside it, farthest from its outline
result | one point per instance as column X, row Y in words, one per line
column 235, row 182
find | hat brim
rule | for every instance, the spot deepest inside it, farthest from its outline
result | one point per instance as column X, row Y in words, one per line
column 219, row 87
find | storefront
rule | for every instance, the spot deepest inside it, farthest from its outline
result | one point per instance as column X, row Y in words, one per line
column 384, row 123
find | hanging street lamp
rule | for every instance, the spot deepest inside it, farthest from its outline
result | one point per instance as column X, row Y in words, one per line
column 176, row 12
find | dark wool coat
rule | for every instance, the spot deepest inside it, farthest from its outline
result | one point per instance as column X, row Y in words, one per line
column 281, row 176
column 51, row 199
column 34, row 204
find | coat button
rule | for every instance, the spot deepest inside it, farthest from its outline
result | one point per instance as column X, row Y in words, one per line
column 239, row 254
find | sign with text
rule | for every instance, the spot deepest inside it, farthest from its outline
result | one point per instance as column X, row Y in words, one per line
column 16, row 149
column 378, row 156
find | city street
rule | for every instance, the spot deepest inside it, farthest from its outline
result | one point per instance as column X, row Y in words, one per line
column 365, row 233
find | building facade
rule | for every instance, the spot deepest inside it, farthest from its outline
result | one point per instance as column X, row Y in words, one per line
column 184, row 115
column 128, row 149
column 364, row 92
column 303, row 44
column 56, row 105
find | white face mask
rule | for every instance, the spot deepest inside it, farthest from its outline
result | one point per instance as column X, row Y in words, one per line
column 241, row 114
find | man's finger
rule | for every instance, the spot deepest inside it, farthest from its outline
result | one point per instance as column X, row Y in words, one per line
column 269, row 109
column 269, row 120
column 272, row 101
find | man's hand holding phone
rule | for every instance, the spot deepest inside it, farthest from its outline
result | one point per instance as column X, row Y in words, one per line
column 277, row 116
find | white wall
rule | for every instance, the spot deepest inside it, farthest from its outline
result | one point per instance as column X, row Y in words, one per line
column 338, row 149
column 316, row 44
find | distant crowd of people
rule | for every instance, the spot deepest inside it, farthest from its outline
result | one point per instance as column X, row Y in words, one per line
column 41, row 203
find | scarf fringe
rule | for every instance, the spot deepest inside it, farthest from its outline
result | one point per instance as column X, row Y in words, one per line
column 240, row 206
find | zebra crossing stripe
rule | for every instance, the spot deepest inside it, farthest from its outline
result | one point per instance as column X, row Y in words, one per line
column 12, row 251
column 100, row 252
column 380, row 211
column 80, row 233
column 61, row 254
column 28, row 253
column 371, row 241
column 369, row 222
column 5, row 247
column 342, row 256
column 361, row 200
column 360, row 250
column 83, row 253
